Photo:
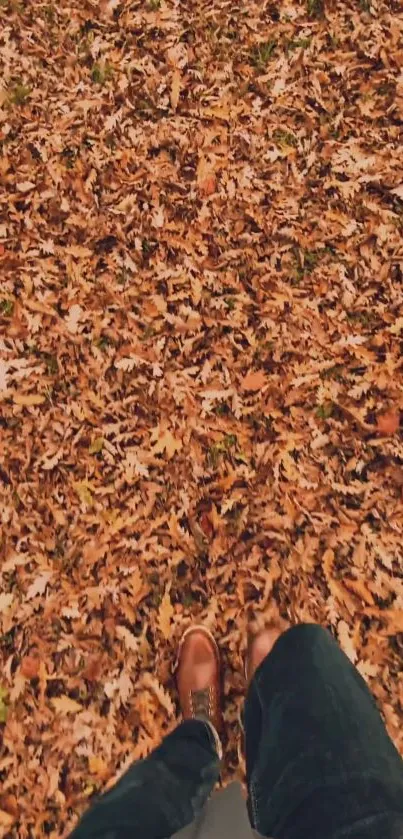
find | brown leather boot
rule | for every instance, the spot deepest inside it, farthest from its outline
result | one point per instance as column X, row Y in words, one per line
column 199, row 676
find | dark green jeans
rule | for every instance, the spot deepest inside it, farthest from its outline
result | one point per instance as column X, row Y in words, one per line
column 320, row 764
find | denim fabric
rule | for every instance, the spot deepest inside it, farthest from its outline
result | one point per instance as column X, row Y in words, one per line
column 161, row 794
column 320, row 764
column 319, row 761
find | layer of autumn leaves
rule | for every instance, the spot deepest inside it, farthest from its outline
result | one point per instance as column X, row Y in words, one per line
column 200, row 363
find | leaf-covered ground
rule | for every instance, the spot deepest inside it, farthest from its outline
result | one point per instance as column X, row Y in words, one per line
column 201, row 332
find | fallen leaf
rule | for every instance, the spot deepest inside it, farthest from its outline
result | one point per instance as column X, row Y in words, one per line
column 359, row 588
column 73, row 318
column 28, row 399
column 25, row 186
column 83, row 490
column 346, row 641
column 93, row 668
column 97, row 766
column 151, row 682
column 96, row 445
column 39, row 585
column 6, row 820
column 30, row 667
column 168, row 443
column 65, row 705
column 3, row 704
column 254, row 380
column 165, row 614
column 388, row 423
column 175, row 89
column 6, row 600
column 393, row 618
column 206, row 180
column 78, row 251
column 129, row 640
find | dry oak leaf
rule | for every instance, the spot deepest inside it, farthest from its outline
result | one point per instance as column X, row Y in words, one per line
column 254, row 380
column 129, row 640
column 165, row 615
column 175, row 89
column 388, row 423
column 5, row 819
column 93, row 668
column 65, row 705
column 28, row 399
column 5, row 601
column 359, row 588
column 30, row 667
column 38, row 586
column 97, row 766
column 165, row 441
column 25, row 186
column 206, row 179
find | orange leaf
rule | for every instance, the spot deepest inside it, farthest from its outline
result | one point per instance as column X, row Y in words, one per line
column 97, row 766
column 253, row 380
column 389, row 422
column 30, row 666
column 28, row 399
column 5, row 819
column 206, row 180
column 359, row 588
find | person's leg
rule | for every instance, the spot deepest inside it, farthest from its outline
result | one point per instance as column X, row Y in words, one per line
column 163, row 793
column 319, row 761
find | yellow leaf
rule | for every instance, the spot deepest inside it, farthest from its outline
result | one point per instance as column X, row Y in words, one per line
column 96, row 445
column 65, row 705
column 165, row 615
column 82, row 489
column 28, row 399
column 175, row 89
column 97, row 766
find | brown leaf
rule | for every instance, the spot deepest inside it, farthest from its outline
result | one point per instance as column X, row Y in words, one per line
column 93, row 668
column 175, row 89
column 30, row 666
column 206, row 179
column 389, row 422
column 254, row 380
